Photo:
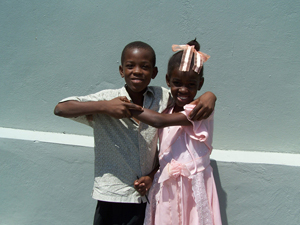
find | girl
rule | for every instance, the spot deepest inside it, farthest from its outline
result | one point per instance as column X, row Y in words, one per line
column 183, row 190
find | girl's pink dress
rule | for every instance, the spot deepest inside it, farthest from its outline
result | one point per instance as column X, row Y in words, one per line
column 184, row 190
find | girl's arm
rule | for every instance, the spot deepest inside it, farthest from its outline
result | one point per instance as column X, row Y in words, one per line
column 160, row 120
column 205, row 105
column 116, row 107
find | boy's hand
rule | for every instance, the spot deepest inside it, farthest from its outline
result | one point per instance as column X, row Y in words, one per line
column 205, row 105
column 120, row 107
column 143, row 184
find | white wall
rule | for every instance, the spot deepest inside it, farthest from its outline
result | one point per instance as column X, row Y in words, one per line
column 53, row 49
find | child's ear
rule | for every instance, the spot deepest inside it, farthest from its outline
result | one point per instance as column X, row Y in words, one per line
column 201, row 82
column 121, row 71
column 155, row 71
column 168, row 80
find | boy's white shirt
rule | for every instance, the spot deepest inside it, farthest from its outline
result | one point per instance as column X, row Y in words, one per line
column 124, row 149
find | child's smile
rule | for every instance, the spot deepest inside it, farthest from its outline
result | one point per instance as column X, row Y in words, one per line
column 137, row 80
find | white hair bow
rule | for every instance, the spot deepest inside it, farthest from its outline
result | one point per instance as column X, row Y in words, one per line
column 188, row 51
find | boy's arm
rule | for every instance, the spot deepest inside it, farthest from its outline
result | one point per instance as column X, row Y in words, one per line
column 205, row 105
column 116, row 108
column 160, row 120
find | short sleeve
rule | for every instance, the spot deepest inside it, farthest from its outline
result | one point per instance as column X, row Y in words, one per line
column 87, row 98
column 201, row 130
column 92, row 97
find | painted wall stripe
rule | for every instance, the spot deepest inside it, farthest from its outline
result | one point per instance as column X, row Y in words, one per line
column 49, row 137
column 273, row 158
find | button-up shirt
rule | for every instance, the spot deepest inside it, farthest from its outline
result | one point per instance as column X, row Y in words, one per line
column 124, row 149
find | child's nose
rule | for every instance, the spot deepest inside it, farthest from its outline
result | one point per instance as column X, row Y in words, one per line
column 183, row 89
column 137, row 69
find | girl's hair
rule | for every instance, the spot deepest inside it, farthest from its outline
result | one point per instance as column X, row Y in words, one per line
column 175, row 60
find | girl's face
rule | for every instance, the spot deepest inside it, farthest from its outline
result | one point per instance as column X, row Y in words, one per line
column 184, row 87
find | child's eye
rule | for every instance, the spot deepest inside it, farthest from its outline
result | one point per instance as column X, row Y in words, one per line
column 145, row 67
column 129, row 66
column 176, row 83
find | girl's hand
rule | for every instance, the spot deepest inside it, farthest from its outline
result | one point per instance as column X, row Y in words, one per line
column 205, row 105
column 143, row 184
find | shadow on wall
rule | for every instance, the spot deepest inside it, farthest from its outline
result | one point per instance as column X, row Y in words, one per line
column 221, row 193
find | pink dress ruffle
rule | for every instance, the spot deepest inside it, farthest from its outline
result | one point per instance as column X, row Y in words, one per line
column 184, row 190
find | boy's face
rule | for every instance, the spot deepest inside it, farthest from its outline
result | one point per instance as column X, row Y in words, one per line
column 137, row 69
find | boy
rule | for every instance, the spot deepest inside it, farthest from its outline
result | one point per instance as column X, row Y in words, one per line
column 124, row 148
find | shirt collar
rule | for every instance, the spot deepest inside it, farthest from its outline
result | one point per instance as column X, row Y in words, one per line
column 149, row 91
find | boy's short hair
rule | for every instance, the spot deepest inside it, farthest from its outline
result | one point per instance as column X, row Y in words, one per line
column 142, row 45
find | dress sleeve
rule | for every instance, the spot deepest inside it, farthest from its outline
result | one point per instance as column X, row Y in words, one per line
column 201, row 130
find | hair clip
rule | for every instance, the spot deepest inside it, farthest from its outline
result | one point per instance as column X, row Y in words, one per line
column 188, row 51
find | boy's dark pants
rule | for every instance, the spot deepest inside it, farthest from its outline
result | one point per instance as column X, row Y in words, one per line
column 111, row 213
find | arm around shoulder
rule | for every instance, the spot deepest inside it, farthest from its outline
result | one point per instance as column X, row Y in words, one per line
column 205, row 105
